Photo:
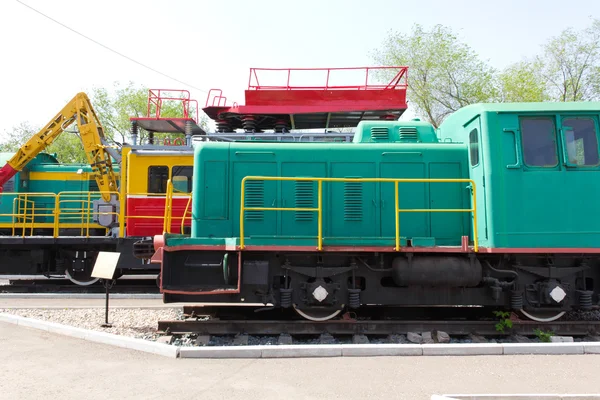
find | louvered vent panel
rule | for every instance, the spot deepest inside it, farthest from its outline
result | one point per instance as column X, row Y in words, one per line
column 305, row 195
column 353, row 201
column 408, row 133
column 254, row 197
column 379, row 133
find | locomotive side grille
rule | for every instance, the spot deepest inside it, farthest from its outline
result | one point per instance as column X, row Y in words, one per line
column 305, row 195
column 408, row 133
column 353, row 201
column 379, row 133
column 254, row 197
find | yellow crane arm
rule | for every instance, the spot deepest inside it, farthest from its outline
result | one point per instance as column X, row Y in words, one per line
column 79, row 110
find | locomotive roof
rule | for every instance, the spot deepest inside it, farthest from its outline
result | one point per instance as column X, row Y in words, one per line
column 539, row 106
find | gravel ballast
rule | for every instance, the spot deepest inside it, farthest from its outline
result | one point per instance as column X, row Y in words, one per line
column 142, row 323
column 133, row 322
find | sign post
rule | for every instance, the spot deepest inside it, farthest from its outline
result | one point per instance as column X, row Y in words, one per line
column 104, row 268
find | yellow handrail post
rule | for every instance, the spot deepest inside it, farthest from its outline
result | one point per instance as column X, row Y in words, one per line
column 56, row 215
column 242, row 193
column 185, row 213
column 397, row 212
column 14, row 215
column 24, row 227
column 320, row 223
column 87, row 217
column 168, row 210
column 474, row 210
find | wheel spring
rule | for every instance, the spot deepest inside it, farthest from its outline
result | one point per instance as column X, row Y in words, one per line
column 281, row 126
column 585, row 299
column 249, row 123
column 286, row 298
column 516, row 300
column 223, row 126
column 354, row 298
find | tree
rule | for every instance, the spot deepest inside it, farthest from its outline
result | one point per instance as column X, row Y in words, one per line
column 571, row 64
column 444, row 73
column 113, row 109
column 523, row 82
column 67, row 147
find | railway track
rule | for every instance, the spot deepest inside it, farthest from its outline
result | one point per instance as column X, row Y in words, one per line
column 371, row 327
column 455, row 322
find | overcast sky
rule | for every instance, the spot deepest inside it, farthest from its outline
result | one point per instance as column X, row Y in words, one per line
column 212, row 44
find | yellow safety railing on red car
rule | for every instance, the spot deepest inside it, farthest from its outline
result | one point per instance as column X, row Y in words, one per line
column 319, row 208
column 168, row 215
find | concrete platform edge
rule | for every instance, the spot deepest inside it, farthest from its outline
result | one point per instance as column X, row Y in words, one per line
column 94, row 336
column 296, row 351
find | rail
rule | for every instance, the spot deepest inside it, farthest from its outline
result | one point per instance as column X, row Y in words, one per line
column 168, row 215
column 398, row 81
column 156, row 97
column 53, row 211
column 319, row 208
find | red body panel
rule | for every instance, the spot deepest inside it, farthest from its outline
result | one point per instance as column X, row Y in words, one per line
column 144, row 206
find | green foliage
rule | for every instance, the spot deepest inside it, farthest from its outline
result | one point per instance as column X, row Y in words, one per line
column 544, row 336
column 67, row 147
column 505, row 322
column 522, row 82
column 571, row 64
column 114, row 108
column 444, row 73
column 123, row 102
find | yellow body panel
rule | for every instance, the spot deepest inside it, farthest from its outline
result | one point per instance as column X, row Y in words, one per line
column 59, row 176
column 137, row 182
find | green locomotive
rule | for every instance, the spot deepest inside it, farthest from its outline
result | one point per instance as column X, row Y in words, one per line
column 496, row 208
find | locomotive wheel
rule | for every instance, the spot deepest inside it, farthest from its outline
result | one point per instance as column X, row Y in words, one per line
column 318, row 314
column 80, row 278
column 542, row 316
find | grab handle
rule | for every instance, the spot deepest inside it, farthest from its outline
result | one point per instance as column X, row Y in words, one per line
column 517, row 148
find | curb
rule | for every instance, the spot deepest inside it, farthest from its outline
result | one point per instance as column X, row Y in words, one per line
column 515, row 397
column 94, row 336
column 131, row 296
column 301, row 350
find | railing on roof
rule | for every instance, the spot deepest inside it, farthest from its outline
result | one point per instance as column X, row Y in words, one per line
column 319, row 208
column 398, row 81
column 156, row 98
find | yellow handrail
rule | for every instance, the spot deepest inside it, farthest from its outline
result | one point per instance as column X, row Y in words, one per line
column 183, row 218
column 319, row 208
column 168, row 206
column 168, row 214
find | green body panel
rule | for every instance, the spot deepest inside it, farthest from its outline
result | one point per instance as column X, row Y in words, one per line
column 354, row 214
column 523, row 206
column 46, row 163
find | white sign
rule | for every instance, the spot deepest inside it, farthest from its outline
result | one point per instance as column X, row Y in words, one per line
column 106, row 264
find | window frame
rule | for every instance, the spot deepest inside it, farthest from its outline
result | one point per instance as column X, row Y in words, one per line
column 190, row 181
column 557, row 141
column 149, row 182
column 478, row 148
column 563, row 139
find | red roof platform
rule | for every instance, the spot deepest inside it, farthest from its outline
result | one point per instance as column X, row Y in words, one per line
column 344, row 97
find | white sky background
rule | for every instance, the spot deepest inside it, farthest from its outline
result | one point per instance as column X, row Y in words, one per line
column 212, row 44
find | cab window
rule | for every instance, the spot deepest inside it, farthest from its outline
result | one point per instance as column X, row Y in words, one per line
column 182, row 178
column 538, row 135
column 157, row 179
column 474, row 147
column 581, row 142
